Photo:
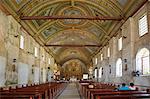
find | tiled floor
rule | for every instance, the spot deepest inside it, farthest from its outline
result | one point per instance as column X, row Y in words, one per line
column 70, row 92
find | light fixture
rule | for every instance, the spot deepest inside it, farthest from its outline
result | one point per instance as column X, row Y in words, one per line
column 14, row 60
column 125, row 60
column 124, row 37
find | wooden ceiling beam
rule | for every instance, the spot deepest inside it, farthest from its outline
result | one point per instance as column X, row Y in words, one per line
column 3, row 9
column 73, row 45
column 70, row 17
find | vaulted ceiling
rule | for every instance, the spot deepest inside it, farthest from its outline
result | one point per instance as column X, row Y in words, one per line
column 72, row 31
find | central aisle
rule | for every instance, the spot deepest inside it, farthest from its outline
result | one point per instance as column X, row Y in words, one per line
column 71, row 92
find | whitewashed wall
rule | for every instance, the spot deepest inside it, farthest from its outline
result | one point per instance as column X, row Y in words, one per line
column 36, row 75
column 2, row 70
column 23, row 73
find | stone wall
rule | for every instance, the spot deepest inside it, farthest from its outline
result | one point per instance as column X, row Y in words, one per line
column 132, row 43
column 20, row 66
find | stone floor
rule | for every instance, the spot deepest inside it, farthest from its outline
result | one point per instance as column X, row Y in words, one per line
column 70, row 92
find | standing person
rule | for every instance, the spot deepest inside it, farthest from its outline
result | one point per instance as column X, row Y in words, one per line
column 124, row 87
column 117, row 88
column 132, row 87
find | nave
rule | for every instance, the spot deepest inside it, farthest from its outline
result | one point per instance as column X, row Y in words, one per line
column 47, row 44
column 70, row 92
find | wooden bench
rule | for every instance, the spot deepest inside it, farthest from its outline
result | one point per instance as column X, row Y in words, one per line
column 42, row 91
column 113, row 94
column 132, row 96
column 85, row 90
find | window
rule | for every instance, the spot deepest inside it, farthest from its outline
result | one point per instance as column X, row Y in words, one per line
column 43, row 57
column 101, row 57
column 142, row 61
column 36, row 52
column 119, row 68
column 143, row 25
column 95, row 73
column 120, row 44
column 100, row 72
column 21, row 42
column 49, row 61
column 108, row 52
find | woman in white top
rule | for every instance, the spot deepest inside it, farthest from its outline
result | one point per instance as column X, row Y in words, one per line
column 132, row 87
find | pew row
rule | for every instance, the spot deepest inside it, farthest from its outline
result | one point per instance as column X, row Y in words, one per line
column 41, row 91
column 106, row 91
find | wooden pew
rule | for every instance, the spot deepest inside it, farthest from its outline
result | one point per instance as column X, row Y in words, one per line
column 132, row 96
column 85, row 91
column 109, row 87
column 102, row 89
column 117, row 94
column 42, row 91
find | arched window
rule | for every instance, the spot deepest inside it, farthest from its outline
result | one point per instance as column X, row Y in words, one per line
column 21, row 42
column 95, row 72
column 100, row 72
column 142, row 61
column 35, row 51
column 119, row 68
column 120, row 43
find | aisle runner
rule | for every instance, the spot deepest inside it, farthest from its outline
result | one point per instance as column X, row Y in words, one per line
column 70, row 92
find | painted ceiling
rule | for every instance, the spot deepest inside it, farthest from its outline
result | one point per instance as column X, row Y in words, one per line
column 72, row 31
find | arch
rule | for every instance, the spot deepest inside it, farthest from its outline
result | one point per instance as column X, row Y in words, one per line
column 74, row 68
column 119, row 67
column 143, row 61
column 68, row 54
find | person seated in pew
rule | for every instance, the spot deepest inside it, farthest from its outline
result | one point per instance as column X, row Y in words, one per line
column 90, row 85
column 117, row 88
column 132, row 87
column 124, row 87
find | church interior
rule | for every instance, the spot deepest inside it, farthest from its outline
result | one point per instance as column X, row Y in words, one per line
column 74, row 49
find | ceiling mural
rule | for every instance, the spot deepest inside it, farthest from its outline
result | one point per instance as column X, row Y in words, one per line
column 51, row 30
column 122, row 2
column 72, row 31
column 73, row 53
column 72, row 11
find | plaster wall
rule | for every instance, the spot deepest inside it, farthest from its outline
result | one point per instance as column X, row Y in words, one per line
column 132, row 43
column 23, row 73
column 2, row 71
column 36, row 75
column 20, row 66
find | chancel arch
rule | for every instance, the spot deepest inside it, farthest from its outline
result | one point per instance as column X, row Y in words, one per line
column 74, row 68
